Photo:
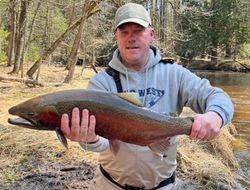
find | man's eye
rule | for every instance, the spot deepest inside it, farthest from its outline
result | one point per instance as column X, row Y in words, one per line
column 140, row 30
column 124, row 33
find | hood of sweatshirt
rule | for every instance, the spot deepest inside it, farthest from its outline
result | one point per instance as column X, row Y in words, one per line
column 154, row 58
column 131, row 79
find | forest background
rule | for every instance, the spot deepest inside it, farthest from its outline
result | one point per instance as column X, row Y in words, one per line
column 34, row 32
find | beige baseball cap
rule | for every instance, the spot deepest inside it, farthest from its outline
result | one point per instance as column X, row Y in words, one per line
column 132, row 12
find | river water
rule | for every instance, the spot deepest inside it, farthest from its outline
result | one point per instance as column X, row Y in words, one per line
column 237, row 85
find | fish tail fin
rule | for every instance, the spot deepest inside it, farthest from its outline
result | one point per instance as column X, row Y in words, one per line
column 61, row 137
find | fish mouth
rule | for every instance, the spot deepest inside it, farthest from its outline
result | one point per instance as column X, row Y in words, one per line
column 30, row 124
column 22, row 122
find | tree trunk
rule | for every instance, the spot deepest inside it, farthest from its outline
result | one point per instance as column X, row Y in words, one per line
column 22, row 53
column 55, row 44
column 93, row 58
column 162, row 21
column 32, row 26
column 176, row 23
column 214, row 55
column 76, row 44
column 12, row 28
column 46, row 31
column 20, row 36
column 228, row 52
column 71, row 19
column 214, row 40
column 51, row 49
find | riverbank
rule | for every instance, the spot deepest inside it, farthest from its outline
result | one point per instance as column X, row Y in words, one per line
column 36, row 160
column 225, row 65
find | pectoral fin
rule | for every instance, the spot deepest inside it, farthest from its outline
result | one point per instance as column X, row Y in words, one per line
column 160, row 147
column 61, row 137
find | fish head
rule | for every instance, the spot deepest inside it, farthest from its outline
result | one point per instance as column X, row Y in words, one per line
column 35, row 114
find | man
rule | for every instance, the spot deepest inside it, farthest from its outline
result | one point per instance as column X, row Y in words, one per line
column 162, row 87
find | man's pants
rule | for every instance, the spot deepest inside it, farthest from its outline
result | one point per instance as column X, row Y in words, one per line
column 100, row 182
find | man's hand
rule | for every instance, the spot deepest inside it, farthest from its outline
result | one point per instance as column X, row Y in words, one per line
column 206, row 126
column 81, row 128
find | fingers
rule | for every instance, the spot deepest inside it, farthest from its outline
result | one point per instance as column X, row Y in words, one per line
column 91, row 132
column 206, row 126
column 84, row 124
column 92, row 124
column 81, row 128
column 65, row 125
column 196, row 127
column 75, row 121
column 88, row 127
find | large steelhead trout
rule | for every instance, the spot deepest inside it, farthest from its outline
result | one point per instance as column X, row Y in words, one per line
column 116, row 117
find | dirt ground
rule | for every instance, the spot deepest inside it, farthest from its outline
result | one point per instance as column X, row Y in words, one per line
column 34, row 160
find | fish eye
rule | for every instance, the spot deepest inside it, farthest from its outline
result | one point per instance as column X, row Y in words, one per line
column 31, row 114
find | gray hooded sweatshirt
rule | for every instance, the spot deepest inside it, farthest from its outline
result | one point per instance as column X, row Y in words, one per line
column 163, row 88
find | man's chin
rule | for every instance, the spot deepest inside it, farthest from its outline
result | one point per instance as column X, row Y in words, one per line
column 134, row 56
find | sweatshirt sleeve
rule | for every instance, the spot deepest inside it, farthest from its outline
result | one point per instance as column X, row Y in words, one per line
column 201, row 96
column 101, row 145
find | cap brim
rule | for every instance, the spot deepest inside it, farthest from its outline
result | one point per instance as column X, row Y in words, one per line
column 134, row 20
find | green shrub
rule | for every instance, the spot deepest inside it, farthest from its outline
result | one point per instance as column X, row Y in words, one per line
column 32, row 54
column 245, row 51
column 3, row 44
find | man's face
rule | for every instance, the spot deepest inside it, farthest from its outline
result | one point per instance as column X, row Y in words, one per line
column 133, row 41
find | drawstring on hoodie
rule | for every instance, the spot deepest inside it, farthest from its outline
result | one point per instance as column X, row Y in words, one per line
column 146, row 86
column 128, row 87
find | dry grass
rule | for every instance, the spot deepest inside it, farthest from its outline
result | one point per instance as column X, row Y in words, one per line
column 36, row 160
column 211, row 164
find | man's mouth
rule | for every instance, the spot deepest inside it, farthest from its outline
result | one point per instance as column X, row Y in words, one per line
column 134, row 47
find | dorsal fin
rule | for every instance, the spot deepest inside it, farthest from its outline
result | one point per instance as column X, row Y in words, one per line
column 131, row 97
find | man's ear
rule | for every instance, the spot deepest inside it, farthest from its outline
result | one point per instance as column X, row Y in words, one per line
column 152, row 34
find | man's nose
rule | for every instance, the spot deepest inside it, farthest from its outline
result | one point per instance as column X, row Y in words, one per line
column 132, row 38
